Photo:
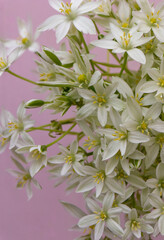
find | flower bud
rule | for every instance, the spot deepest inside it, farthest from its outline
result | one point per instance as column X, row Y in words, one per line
column 34, row 103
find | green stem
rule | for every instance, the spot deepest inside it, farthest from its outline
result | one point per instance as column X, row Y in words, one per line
column 124, row 64
column 110, row 74
column 18, row 76
column 62, row 136
column 107, row 64
column 86, row 48
column 97, row 30
column 101, row 69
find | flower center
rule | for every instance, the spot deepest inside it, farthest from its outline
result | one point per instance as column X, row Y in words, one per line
column 46, row 76
column 25, row 41
column 160, row 140
column 101, row 216
column 125, row 39
column 3, row 141
column 12, row 126
column 36, row 154
column 160, row 185
column 99, row 99
column 161, row 81
column 66, row 8
column 3, row 64
column 143, row 127
column 120, row 174
column 23, row 180
column 135, row 225
column 154, row 20
column 82, row 78
column 119, row 135
column 90, row 143
column 99, row 177
column 69, row 159
column 162, row 212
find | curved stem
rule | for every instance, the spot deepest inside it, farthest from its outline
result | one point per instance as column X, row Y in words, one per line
column 62, row 136
column 18, row 76
column 124, row 64
column 86, row 48
column 107, row 64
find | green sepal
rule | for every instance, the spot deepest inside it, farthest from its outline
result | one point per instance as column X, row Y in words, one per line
column 53, row 57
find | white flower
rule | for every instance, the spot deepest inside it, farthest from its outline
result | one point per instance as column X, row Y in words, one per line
column 70, row 159
column 119, row 136
column 157, row 183
column 14, row 128
column 23, row 175
column 102, row 216
column 37, row 155
column 158, row 212
column 97, row 178
column 71, row 14
column 149, row 18
column 136, row 225
column 26, row 39
column 157, row 82
column 6, row 59
column 100, row 101
column 125, row 42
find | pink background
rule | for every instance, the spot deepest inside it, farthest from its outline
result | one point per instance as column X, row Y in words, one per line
column 43, row 217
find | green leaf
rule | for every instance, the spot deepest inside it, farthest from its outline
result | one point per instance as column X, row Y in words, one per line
column 53, row 57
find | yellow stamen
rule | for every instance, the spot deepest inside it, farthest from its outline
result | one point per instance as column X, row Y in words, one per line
column 69, row 159
column 99, row 177
column 12, row 126
column 135, row 225
column 66, row 8
column 161, row 81
column 119, row 135
column 3, row 64
column 99, row 99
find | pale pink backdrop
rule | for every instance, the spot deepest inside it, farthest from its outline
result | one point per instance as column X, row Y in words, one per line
column 43, row 217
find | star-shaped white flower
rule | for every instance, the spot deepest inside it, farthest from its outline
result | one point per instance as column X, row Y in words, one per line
column 125, row 42
column 71, row 14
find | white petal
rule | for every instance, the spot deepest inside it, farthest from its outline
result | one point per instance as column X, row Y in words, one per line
column 52, row 22
column 62, row 30
column 149, row 87
column 65, row 168
column 85, row 111
column 102, row 115
column 111, row 150
column 86, row 185
column 154, row 74
column 111, row 164
column 145, row 6
column 137, row 55
column 35, row 167
column 88, row 7
column 117, row 32
column 56, row 4
column 159, row 33
column 137, row 137
column 99, row 229
column 85, row 25
column 107, row 44
column 87, row 221
column 161, row 224
column 114, row 227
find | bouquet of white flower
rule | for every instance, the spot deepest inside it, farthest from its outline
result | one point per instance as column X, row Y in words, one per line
column 117, row 157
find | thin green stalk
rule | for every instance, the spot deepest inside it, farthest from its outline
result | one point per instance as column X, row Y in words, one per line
column 107, row 64
column 101, row 69
column 110, row 74
column 97, row 30
column 124, row 64
column 86, row 48
column 18, row 76
column 62, row 136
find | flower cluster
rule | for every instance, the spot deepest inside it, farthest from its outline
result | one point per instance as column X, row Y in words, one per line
column 116, row 160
